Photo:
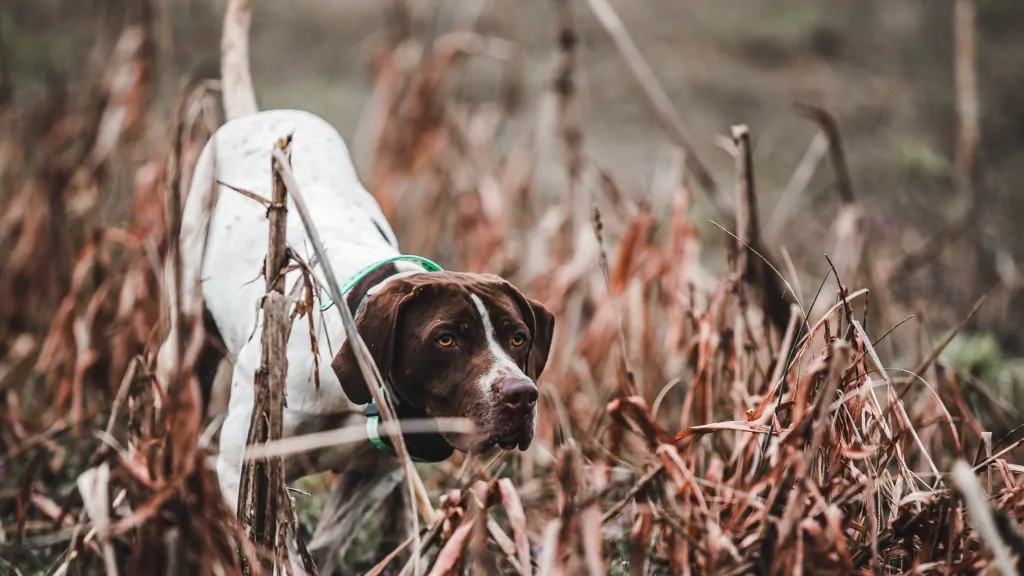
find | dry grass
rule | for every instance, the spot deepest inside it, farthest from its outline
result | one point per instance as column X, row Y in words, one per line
column 686, row 426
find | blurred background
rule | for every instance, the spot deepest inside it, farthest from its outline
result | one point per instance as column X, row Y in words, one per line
column 884, row 69
column 886, row 134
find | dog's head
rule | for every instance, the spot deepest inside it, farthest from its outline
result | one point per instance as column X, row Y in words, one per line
column 456, row 345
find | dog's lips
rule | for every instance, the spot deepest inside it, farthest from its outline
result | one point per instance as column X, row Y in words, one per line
column 506, row 434
column 515, row 434
column 461, row 442
column 521, row 440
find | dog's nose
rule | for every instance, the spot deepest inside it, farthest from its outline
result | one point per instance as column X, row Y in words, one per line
column 518, row 394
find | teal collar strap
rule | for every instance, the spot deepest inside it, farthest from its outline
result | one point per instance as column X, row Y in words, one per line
column 428, row 266
column 373, row 431
column 423, row 447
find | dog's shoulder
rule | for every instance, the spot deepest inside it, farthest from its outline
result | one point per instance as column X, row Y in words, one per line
column 318, row 151
column 319, row 156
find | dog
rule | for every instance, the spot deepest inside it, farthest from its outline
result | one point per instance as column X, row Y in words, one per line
column 448, row 344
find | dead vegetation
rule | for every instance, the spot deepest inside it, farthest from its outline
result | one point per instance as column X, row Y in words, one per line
column 691, row 425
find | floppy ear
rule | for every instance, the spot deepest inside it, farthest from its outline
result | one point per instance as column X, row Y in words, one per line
column 542, row 324
column 376, row 326
column 543, row 331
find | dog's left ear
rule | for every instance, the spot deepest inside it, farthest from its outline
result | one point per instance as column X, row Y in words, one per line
column 542, row 323
column 376, row 326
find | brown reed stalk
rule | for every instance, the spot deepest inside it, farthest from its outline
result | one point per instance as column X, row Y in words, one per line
column 965, row 210
column 417, row 492
column 756, row 270
column 262, row 488
column 968, row 132
column 564, row 86
column 837, row 154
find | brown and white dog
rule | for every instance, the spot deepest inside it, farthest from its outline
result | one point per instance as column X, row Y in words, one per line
column 447, row 343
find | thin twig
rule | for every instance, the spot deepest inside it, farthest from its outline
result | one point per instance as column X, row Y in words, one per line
column 828, row 124
column 368, row 368
column 659, row 100
column 641, row 484
column 937, row 351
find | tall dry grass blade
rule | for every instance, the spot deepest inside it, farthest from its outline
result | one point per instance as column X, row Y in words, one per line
column 564, row 85
column 941, row 347
column 353, row 434
column 659, row 100
column 517, row 518
column 94, row 487
column 629, row 388
column 962, row 214
column 782, row 385
column 980, row 511
column 236, row 80
column 968, row 132
column 450, row 555
column 640, row 537
column 901, row 410
column 567, row 470
column 549, row 563
column 747, row 227
column 508, row 547
column 749, row 270
column 828, row 124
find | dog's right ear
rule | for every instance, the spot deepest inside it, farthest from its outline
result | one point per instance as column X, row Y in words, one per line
column 376, row 325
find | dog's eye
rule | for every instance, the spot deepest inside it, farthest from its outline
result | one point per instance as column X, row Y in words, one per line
column 518, row 339
column 446, row 340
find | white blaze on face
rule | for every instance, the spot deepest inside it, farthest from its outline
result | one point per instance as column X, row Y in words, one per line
column 502, row 365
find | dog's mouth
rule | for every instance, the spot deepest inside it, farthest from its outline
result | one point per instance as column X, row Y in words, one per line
column 520, row 439
column 514, row 442
column 505, row 433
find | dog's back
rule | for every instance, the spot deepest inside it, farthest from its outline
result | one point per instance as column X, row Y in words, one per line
column 354, row 230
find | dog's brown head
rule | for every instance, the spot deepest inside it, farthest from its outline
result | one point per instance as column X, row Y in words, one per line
column 455, row 345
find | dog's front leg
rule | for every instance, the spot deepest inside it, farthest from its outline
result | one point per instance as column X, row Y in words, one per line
column 397, row 523
column 354, row 496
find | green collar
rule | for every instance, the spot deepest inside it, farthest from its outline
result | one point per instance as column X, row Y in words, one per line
column 428, row 266
column 424, row 447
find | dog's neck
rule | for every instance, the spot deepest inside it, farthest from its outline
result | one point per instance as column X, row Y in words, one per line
column 428, row 447
column 375, row 280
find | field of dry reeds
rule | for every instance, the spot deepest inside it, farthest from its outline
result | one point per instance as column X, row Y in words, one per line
column 699, row 415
